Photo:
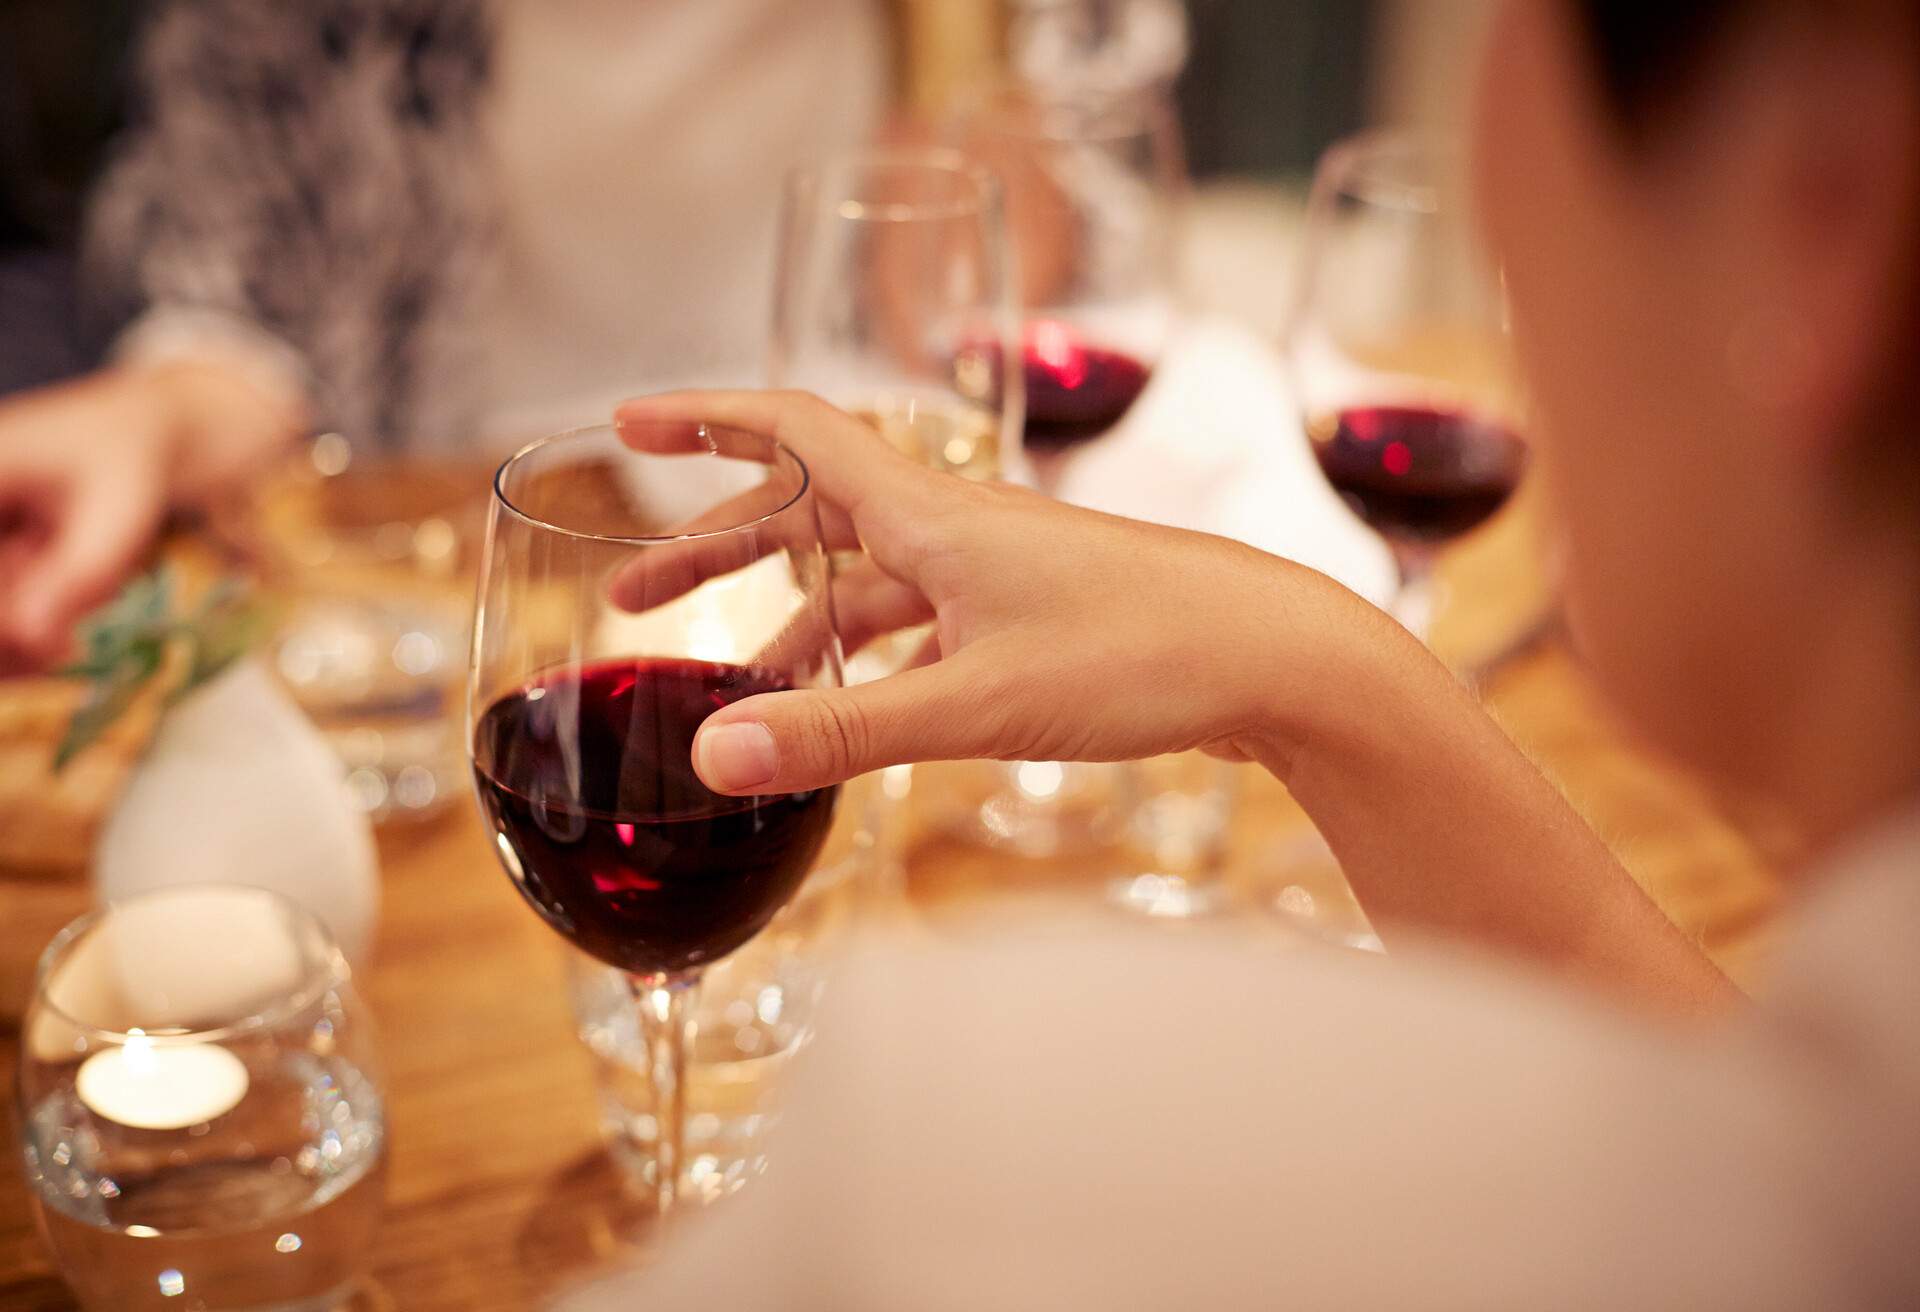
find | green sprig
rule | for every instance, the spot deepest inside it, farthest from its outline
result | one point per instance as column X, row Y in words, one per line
column 125, row 643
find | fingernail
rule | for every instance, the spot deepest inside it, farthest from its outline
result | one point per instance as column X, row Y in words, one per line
column 738, row 756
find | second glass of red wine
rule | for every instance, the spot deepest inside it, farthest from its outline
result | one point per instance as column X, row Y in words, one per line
column 1093, row 182
column 625, row 596
column 1399, row 351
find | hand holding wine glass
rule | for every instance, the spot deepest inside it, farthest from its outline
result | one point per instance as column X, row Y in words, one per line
column 1062, row 633
column 1066, row 634
column 583, row 711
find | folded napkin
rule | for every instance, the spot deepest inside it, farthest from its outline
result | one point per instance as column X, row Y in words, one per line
column 1214, row 444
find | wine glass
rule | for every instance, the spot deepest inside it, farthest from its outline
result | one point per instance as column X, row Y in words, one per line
column 894, row 300
column 1400, row 354
column 1093, row 179
column 625, row 596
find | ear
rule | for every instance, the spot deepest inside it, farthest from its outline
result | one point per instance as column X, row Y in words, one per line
column 1829, row 172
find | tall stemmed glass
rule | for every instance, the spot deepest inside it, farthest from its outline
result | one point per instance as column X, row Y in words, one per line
column 1094, row 181
column 894, row 299
column 1400, row 353
column 624, row 597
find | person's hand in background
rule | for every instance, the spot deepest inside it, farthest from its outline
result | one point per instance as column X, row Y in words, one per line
column 90, row 468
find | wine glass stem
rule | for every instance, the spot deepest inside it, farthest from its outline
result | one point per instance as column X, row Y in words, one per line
column 1415, row 589
column 1049, row 471
column 666, row 1011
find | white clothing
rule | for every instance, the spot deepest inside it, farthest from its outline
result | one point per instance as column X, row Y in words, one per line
column 640, row 150
column 1077, row 1115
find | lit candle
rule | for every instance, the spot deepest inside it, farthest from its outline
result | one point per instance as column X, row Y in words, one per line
column 159, row 1086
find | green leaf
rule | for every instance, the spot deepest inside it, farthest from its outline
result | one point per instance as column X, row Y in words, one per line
column 106, row 701
column 125, row 642
column 139, row 614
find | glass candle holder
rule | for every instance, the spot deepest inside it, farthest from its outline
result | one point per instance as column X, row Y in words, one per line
column 200, row 1113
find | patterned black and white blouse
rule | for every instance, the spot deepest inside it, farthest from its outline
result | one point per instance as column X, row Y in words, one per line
column 458, row 221
column 307, row 178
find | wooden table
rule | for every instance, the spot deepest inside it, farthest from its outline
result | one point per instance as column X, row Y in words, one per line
column 499, row 1193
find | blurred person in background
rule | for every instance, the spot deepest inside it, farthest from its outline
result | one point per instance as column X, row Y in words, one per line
column 427, row 224
column 1709, row 217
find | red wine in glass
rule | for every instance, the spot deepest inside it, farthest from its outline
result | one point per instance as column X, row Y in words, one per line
column 1418, row 475
column 587, row 776
column 1075, row 390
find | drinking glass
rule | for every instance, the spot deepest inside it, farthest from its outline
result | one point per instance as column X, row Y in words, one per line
column 753, row 1012
column 372, row 557
column 1400, row 354
column 201, row 1129
column 1179, row 811
column 625, row 595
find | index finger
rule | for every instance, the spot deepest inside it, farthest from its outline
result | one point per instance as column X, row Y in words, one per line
column 851, row 465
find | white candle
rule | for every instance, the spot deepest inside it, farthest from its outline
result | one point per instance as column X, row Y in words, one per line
column 159, row 1086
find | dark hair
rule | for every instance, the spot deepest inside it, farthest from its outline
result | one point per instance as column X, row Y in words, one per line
column 1647, row 53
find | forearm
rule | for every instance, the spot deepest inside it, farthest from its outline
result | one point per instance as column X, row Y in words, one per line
column 1442, row 824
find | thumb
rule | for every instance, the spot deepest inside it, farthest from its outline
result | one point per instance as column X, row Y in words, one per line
column 788, row 742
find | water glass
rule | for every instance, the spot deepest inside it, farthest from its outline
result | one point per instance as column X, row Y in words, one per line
column 753, row 1013
column 200, row 1113
column 373, row 557
column 1179, row 815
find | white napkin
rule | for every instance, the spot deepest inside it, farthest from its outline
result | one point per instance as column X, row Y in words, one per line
column 1215, row 445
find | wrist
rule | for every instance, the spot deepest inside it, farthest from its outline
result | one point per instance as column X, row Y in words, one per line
column 214, row 425
column 1341, row 681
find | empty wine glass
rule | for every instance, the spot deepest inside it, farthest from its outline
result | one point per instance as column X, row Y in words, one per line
column 625, row 596
column 894, row 300
column 1400, row 354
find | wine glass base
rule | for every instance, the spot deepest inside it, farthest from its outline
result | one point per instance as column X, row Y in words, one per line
column 1165, row 897
column 1314, row 898
column 1037, row 809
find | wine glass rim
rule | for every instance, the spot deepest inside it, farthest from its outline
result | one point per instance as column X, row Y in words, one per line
column 1356, row 166
column 318, row 976
column 781, row 450
column 929, row 159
